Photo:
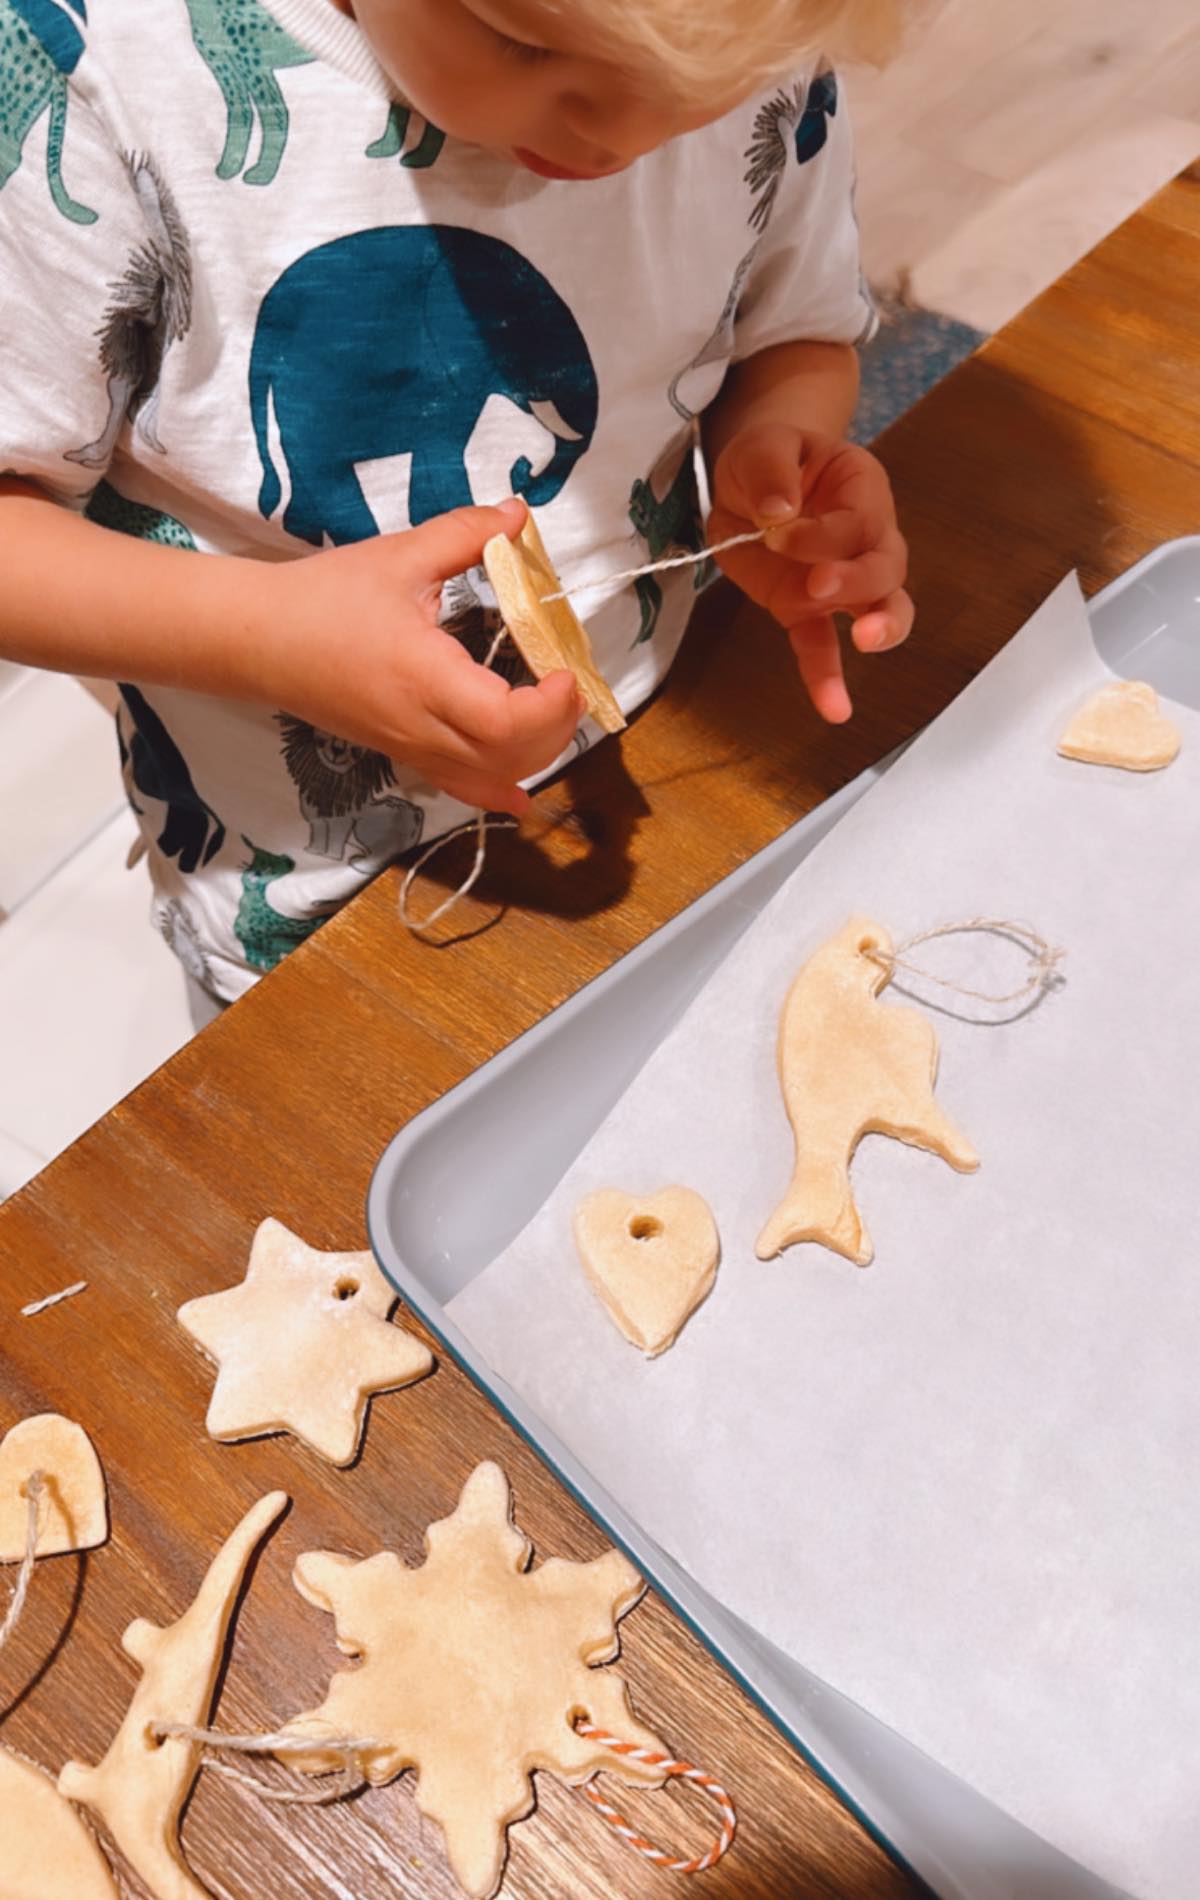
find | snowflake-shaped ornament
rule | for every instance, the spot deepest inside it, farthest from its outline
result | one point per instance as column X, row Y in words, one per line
column 473, row 1670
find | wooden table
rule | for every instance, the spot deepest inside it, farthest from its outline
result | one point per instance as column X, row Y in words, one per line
column 1073, row 438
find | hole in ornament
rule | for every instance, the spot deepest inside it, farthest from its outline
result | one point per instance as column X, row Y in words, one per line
column 346, row 1289
column 645, row 1227
column 579, row 1716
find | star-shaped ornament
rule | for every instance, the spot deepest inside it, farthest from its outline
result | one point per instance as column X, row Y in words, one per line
column 302, row 1344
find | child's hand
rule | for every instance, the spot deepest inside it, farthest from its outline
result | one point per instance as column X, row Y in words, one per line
column 843, row 551
column 356, row 649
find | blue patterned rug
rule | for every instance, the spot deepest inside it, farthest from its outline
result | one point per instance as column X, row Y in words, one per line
column 912, row 351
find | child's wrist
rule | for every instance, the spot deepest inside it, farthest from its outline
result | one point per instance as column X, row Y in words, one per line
column 243, row 608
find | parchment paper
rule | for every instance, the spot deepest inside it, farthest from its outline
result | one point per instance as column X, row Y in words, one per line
column 963, row 1484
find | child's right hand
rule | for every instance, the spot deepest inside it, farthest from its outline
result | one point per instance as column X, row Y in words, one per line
column 354, row 647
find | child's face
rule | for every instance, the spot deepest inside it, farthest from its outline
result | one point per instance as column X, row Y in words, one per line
column 520, row 80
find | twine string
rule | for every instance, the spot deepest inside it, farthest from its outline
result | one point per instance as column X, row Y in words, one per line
column 481, row 824
column 657, row 567
column 216, row 1742
column 1044, row 957
column 667, row 1766
column 53, row 1299
column 34, row 1488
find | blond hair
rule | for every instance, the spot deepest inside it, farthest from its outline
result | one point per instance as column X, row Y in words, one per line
column 703, row 48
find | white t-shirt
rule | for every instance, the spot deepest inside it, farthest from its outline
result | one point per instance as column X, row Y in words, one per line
column 253, row 304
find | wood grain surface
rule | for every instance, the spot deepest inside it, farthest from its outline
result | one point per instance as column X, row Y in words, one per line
column 1073, row 439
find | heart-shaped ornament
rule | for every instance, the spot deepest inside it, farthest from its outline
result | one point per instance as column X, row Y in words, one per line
column 651, row 1258
column 73, row 1507
column 1121, row 725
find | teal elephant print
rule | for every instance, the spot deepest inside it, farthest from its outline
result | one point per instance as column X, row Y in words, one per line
column 431, row 323
column 672, row 524
column 265, row 934
column 111, row 510
column 409, row 137
column 244, row 48
column 40, row 47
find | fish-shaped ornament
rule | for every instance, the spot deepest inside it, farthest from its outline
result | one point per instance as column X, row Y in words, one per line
column 850, row 1066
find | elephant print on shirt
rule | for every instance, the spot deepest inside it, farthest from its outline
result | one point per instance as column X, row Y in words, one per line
column 150, row 308
column 339, row 786
column 396, row 341
column 40, row 47
column 244, row 48
column 154, row 766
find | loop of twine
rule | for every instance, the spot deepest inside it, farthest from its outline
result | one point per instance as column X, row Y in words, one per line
column 34, row 1488
column 686, row 1771
column 481, row 824
column 1044, row 956
column 215, row 1741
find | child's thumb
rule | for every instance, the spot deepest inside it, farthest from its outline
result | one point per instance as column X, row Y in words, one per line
column 450, row 543
column 768, row 474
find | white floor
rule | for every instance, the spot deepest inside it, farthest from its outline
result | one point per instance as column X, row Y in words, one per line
column 91, row 999
column 1010, row 138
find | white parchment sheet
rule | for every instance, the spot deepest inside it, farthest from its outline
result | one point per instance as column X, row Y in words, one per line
column 962, row 1484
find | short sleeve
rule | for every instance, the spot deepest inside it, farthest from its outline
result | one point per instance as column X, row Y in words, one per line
column 805, row 283
column 75, row 251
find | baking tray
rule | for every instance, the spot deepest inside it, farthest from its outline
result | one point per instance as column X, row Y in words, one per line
column 514, row 1128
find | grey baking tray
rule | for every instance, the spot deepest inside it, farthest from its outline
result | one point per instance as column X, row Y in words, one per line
column 513, row 1128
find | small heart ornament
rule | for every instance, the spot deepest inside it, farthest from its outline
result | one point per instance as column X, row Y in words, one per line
column 1121, row 725
column 73, row 1508
column 651, row 1258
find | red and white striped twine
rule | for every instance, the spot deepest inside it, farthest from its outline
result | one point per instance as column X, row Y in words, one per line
column 686, row 1771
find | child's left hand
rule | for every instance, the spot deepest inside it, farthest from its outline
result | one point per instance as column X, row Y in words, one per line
column 834, row 547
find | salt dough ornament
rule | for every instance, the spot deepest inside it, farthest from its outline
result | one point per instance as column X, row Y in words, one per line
column 1121, row 725
column 302, row 1344
column 549, row 634
column 473, row 1672
column 73, row 1508
column 850, row 1067
column 46, row 1851
column 140, row 1787
column 651, row 1258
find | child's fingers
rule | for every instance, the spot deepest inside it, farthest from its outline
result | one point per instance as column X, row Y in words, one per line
column 819, row 658
column 450, row 543
column 483, row 789
column 870, row 576
column 762, row 474
column 481, row 718
column 544, row 717
column 886, row 624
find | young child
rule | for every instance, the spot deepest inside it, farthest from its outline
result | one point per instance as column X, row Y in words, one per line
column 290, row 287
